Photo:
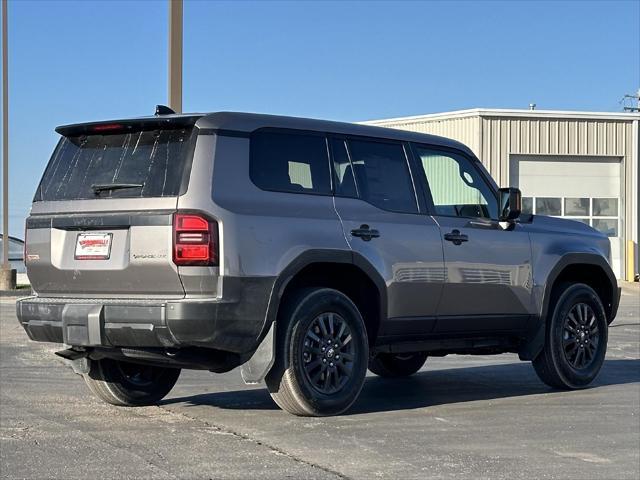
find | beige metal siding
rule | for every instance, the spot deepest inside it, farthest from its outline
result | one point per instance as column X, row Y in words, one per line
column 503, row 136
column 465, row 129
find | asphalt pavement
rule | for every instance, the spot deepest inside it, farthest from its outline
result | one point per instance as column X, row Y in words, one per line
column 459, row 417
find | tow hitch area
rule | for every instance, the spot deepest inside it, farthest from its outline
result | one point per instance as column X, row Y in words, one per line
column 76, row 359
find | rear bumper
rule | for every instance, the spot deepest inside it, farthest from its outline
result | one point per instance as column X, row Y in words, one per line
column 227, row 325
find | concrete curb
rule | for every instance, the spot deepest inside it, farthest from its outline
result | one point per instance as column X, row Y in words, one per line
column 18, row 293
column 630, row 288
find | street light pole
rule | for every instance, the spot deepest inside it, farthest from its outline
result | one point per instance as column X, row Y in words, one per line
column 175, row 55
column 7, row 275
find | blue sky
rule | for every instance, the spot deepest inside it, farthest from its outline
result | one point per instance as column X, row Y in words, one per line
column 77, row 61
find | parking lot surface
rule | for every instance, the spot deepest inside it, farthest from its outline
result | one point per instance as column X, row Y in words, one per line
column 459, row 417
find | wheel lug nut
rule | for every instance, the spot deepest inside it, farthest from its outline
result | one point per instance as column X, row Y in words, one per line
column 323, row 349
column 337, row 357
column 324, row 360
column 331, row 364
column 335, row 346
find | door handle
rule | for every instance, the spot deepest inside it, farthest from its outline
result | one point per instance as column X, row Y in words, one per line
column 365, row 233
column 456, row 237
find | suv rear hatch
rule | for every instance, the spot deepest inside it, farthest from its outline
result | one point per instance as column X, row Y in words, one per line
column 101, row 221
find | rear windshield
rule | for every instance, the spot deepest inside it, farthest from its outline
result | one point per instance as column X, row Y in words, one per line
column 148, row 163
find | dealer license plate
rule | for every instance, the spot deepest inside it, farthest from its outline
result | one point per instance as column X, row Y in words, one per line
column 93, row 246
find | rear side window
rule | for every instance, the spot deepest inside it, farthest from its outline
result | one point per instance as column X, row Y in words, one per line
column 290, row 162
column 382, row 175
column 146, row 163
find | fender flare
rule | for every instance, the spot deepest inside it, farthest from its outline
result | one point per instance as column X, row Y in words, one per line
column 535, row 335
column 258, row 366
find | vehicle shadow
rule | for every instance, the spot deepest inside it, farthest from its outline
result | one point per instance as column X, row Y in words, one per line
column 430, row 388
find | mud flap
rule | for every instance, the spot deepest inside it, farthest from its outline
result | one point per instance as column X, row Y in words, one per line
column 256, row 368
column 533, row 344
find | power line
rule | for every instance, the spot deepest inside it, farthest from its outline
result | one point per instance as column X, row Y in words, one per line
column 628, row 100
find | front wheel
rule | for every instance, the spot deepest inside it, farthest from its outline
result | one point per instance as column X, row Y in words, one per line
column 393, row 365
column 322, row 352
column 130, row 384
column 575, row 341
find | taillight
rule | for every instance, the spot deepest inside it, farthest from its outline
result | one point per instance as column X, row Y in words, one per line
column 195, row 240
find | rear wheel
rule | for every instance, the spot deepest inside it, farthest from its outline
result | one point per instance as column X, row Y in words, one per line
column 130, row 384
column 322, row 353
column 393, row 365
column 576, row 339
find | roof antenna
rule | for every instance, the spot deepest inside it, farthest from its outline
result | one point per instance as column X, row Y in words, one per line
column 163, row 110
column 532, row 106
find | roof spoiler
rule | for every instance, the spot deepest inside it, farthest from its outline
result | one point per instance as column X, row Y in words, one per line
column 164, row 119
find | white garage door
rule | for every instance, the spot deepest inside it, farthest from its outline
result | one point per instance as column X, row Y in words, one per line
column 585, row 189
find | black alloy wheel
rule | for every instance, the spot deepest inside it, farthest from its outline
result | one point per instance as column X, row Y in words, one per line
column 328, row 353
column 580, row 336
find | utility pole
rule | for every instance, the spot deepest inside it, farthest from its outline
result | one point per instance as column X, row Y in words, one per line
column 631, row 108
column 175, row 55
column 7, row 275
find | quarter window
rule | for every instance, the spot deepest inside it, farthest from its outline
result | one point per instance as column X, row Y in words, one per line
column 288, row 162
column 345, row 181
column 457, row 188
column 382, row 175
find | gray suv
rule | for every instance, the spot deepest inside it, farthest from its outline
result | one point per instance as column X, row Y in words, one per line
column 304, row 251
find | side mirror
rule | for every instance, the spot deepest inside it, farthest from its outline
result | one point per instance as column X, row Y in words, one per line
column 510, row 204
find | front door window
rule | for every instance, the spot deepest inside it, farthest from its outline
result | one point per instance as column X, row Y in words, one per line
column 457, row 188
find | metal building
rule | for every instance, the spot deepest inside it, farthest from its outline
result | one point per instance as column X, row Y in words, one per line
column 579, row 165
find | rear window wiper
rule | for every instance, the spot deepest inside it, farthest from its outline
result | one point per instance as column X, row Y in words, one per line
column 104, row 187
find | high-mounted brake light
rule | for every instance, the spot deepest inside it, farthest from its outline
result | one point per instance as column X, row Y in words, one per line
column 195, row 240
column 107, row 127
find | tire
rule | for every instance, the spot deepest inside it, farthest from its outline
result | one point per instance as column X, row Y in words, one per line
column 394, row 365
column 129, row 384
column 575, row 339
column 312, row 377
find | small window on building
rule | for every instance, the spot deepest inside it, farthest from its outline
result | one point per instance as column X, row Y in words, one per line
column 608, row 226
column 289, row 162
column 586, row 221
column 576, row 207
column 548, row 206
column 382, row 175
column 527, row 205
column 605, row 207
